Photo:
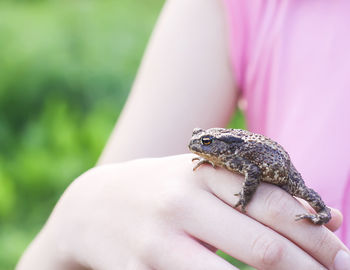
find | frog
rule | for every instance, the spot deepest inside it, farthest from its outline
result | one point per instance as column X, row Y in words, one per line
column 259, row 159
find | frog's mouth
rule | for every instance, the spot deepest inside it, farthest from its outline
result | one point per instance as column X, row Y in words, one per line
column 195, row 148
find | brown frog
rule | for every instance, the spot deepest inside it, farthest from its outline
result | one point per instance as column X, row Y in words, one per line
column 258, row 158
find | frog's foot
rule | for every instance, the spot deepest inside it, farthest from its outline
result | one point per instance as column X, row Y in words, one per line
column 319, row 218
column 241, row 202
column 201, row 161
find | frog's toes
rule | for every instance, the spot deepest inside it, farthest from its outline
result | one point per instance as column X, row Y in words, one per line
column 201, row 161
column 318, row 219
column 241, row 202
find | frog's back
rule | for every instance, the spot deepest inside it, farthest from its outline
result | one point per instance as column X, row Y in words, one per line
column 268, row 155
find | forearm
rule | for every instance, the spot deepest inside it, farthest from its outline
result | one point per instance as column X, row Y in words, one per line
column 185, row 80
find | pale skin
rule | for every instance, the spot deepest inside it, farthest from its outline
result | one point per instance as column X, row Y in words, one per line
column 156, row 213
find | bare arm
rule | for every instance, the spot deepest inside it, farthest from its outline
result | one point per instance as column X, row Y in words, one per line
column 185, row 80
column 149, row 214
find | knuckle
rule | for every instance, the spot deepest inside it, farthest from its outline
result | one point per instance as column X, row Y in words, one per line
column 267, row 251
column 135, row 264
column 278, row 204
column 147, row 248
column 148, row 241
column 174, row 199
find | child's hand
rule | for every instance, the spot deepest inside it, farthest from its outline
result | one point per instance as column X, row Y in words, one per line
column 159, row 214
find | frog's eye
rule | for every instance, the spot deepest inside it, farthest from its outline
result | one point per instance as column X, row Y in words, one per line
column 206, row 140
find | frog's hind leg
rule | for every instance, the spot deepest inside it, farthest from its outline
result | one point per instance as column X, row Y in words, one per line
column 323, row 213
column 298, row 188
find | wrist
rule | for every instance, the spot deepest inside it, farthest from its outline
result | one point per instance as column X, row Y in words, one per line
column 46, row 252
column 42, row 253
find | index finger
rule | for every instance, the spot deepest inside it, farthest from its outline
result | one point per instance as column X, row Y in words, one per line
column 277, row 209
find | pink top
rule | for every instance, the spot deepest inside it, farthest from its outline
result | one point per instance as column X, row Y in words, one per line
column 291, row 60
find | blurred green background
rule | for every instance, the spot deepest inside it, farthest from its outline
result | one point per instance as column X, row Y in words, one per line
column 66, row 68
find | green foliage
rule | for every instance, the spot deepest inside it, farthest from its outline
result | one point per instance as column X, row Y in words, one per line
column 238, row 120
column 66, row 69
column 233, row 261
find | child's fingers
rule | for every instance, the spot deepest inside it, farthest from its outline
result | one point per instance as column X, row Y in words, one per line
column 336, row 220
column 180, row 252
column 274, row 208
column 214, row 222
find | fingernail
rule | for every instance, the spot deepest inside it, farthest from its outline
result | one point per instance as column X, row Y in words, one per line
column 342, row 261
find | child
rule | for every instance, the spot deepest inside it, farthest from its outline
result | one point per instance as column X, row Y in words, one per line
column 288, row 61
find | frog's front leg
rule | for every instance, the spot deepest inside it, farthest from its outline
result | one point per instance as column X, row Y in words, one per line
column 201, row 161
column 252, row 180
